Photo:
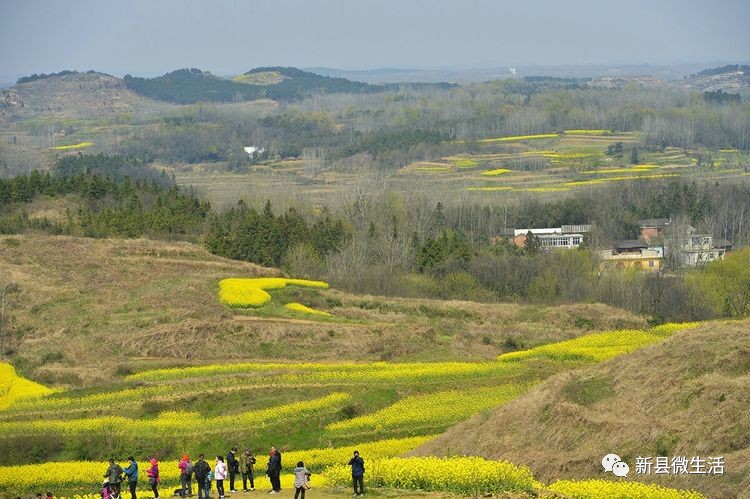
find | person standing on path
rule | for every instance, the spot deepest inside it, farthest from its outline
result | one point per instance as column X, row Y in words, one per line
column 247, row 460
column 186, row 475
column 202, row 469
column 153, row 477
column 301, row 479
column 233, row 466
column 220, row 474
column 114, row 477
column 274, row 470
column 358, row 472
column 131, row 471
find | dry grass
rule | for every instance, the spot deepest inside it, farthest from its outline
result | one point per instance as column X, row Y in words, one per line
column 89, row 308
column 686, row 396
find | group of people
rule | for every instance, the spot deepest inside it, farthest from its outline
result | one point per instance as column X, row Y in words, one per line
column 242, row 465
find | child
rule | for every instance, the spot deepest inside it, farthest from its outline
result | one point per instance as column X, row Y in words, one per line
column 207, row 484
column 301, row 479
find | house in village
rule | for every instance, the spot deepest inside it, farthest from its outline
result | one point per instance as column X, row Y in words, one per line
column 652, row 228
column 630, row 254
column 565, row 237
column 699, row 249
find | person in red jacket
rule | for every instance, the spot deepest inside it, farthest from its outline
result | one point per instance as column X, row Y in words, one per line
column 153, row 477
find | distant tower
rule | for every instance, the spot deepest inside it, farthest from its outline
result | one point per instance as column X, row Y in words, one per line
column 513, row 72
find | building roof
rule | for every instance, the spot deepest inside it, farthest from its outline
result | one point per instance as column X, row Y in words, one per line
column 658, row 223
column 568, row 229
column 536, row 232
column 722, row 243
column 630, row 244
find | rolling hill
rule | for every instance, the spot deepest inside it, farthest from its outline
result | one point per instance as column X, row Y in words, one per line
column 117, row 296
column 732, row 78
column 686, row 396
column 186, row 86
column 70, row 94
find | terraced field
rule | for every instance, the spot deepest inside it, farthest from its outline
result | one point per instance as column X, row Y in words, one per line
column 327, row 409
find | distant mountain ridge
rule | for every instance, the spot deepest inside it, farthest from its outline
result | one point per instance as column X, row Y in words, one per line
column 187, row 86
column 70, row 94
column 732, row 78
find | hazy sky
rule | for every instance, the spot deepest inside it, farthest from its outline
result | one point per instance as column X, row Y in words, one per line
column 150, row 37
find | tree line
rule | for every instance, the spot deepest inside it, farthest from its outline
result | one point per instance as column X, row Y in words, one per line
column 381, row 245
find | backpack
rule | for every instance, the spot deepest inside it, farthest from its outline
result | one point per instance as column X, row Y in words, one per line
column 189, row 468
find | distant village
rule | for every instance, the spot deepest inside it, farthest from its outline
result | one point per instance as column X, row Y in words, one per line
column 658, row 243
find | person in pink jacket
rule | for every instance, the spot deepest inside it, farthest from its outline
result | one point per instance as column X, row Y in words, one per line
column 153, row 477
column 220, row 473
column 186, row 474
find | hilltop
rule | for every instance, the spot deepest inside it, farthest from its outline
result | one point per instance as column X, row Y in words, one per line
column 186, row 86
column 69, row 94
column 732, row 78
column 686, row 396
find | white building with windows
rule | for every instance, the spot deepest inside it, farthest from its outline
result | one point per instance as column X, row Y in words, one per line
column 699, row 249
column 552, row 237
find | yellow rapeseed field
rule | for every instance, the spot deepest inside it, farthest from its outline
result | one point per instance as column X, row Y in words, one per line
column 472, row 476
column 520, row 137
column 14, row 387
column 619, row 179
column 172, row 422
column 495, row 172
column 80, row 145
column 598, row 346
column 253, row 292
column 298, row 307
column 604, row 489
column 464, row 163
column 429, row 412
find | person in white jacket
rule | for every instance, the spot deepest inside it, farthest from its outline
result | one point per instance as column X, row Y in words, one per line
column 220, row 473
column 301, row 480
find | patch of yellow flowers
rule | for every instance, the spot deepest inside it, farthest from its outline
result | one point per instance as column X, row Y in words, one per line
column 13, row 387
column 603, row 489
column 495, row 172
column 519, row 137
column 253, row 292
column 88, row 475
column 431, row 412
column 460, row 475
column 577, row 183
column 298, row 307
column 172, row 422
column 80, row 145
column 598, row 346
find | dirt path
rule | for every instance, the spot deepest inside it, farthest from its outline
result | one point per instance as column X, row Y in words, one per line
column 253, row 318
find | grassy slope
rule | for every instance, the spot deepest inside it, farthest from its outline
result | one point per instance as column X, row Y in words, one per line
column 140, row 303
column 686, row 396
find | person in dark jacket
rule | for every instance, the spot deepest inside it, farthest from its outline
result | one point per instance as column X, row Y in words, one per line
column 114, row 477
column 274, row 470
column 201, row 470
column 358, row 472
column 247, row 461
column 233, row 467
column 131, row 471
